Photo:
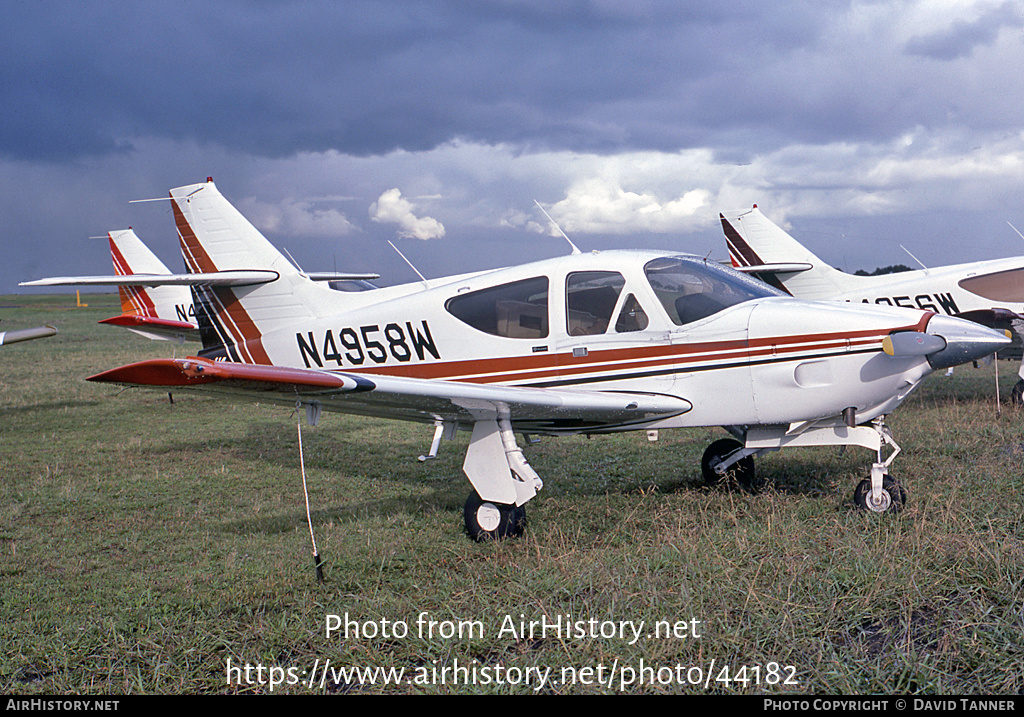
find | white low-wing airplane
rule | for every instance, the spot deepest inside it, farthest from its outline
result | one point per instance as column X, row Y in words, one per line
column 585, row 343
column 987, row 292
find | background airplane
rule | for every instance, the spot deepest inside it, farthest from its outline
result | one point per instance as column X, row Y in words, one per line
column 154, row 302
column 988, row 292
column 158, row 304
column 156, row 312
column 589, row 343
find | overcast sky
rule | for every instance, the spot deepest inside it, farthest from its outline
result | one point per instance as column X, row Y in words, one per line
column 334, row 127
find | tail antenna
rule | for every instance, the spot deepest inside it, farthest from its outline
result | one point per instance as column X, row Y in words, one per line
column 575, row 249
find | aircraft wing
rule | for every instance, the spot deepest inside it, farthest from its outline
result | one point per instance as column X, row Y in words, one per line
column 13, row 337
column 539, row 410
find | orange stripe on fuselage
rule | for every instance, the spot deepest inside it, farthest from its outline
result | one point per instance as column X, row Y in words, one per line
column 526, row 368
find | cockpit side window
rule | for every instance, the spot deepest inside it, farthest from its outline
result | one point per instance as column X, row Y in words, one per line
column 518, row 310
column 691, row 290
column 632, row 316
column 590, row 299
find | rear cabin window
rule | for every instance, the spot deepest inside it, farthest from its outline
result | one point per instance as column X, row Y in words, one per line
column 691, row 289
column 518, row 310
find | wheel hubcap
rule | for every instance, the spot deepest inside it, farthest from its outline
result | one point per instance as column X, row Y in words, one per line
column 881, row 504
column 488, row 517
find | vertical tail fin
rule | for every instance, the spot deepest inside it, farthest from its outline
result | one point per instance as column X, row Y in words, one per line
column 215, row 237
column 754, row 240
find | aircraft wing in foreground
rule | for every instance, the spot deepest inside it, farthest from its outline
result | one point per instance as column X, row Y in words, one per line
column 587, row 343
column 990, row 292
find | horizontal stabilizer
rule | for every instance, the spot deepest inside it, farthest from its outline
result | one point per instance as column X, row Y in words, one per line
column 248, row 277
column 779, row 268
column 136, row 321
column 338, row 276
column 155, row 328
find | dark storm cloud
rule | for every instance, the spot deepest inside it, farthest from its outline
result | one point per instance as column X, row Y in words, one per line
column 639, row 120
column 368, row 77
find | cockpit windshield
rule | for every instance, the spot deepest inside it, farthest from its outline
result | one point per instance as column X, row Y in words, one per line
column 692, row 289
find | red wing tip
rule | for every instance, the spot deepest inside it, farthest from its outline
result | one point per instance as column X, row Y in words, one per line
column 156, row 372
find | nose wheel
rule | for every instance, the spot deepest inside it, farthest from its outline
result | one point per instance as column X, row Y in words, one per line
column 891, row 498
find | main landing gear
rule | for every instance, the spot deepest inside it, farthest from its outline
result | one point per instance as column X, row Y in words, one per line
column 502, row 482
column 1017, row 393
column 727, row 463
column 487, row 520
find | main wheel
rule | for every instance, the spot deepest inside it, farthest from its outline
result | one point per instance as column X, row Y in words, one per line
column 1017, row 393
column 893, row 496
column 487, row 520
column 740, row 474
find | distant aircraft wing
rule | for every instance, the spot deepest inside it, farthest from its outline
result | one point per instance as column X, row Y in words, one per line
column 13, row 337
column 529, row 409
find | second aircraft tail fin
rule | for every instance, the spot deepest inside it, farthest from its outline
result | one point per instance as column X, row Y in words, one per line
column 759, row 246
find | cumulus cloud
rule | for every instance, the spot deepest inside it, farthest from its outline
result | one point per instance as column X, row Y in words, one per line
column 293, row 217
column 603, row 206
column 392, row 208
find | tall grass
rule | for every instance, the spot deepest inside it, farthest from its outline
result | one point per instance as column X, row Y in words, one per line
column 149, row 545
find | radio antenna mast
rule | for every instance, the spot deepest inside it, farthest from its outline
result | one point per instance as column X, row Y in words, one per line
column 426, row 283
column 575, row 249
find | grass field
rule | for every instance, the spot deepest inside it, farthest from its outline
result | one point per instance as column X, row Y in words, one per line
column 151, row 546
